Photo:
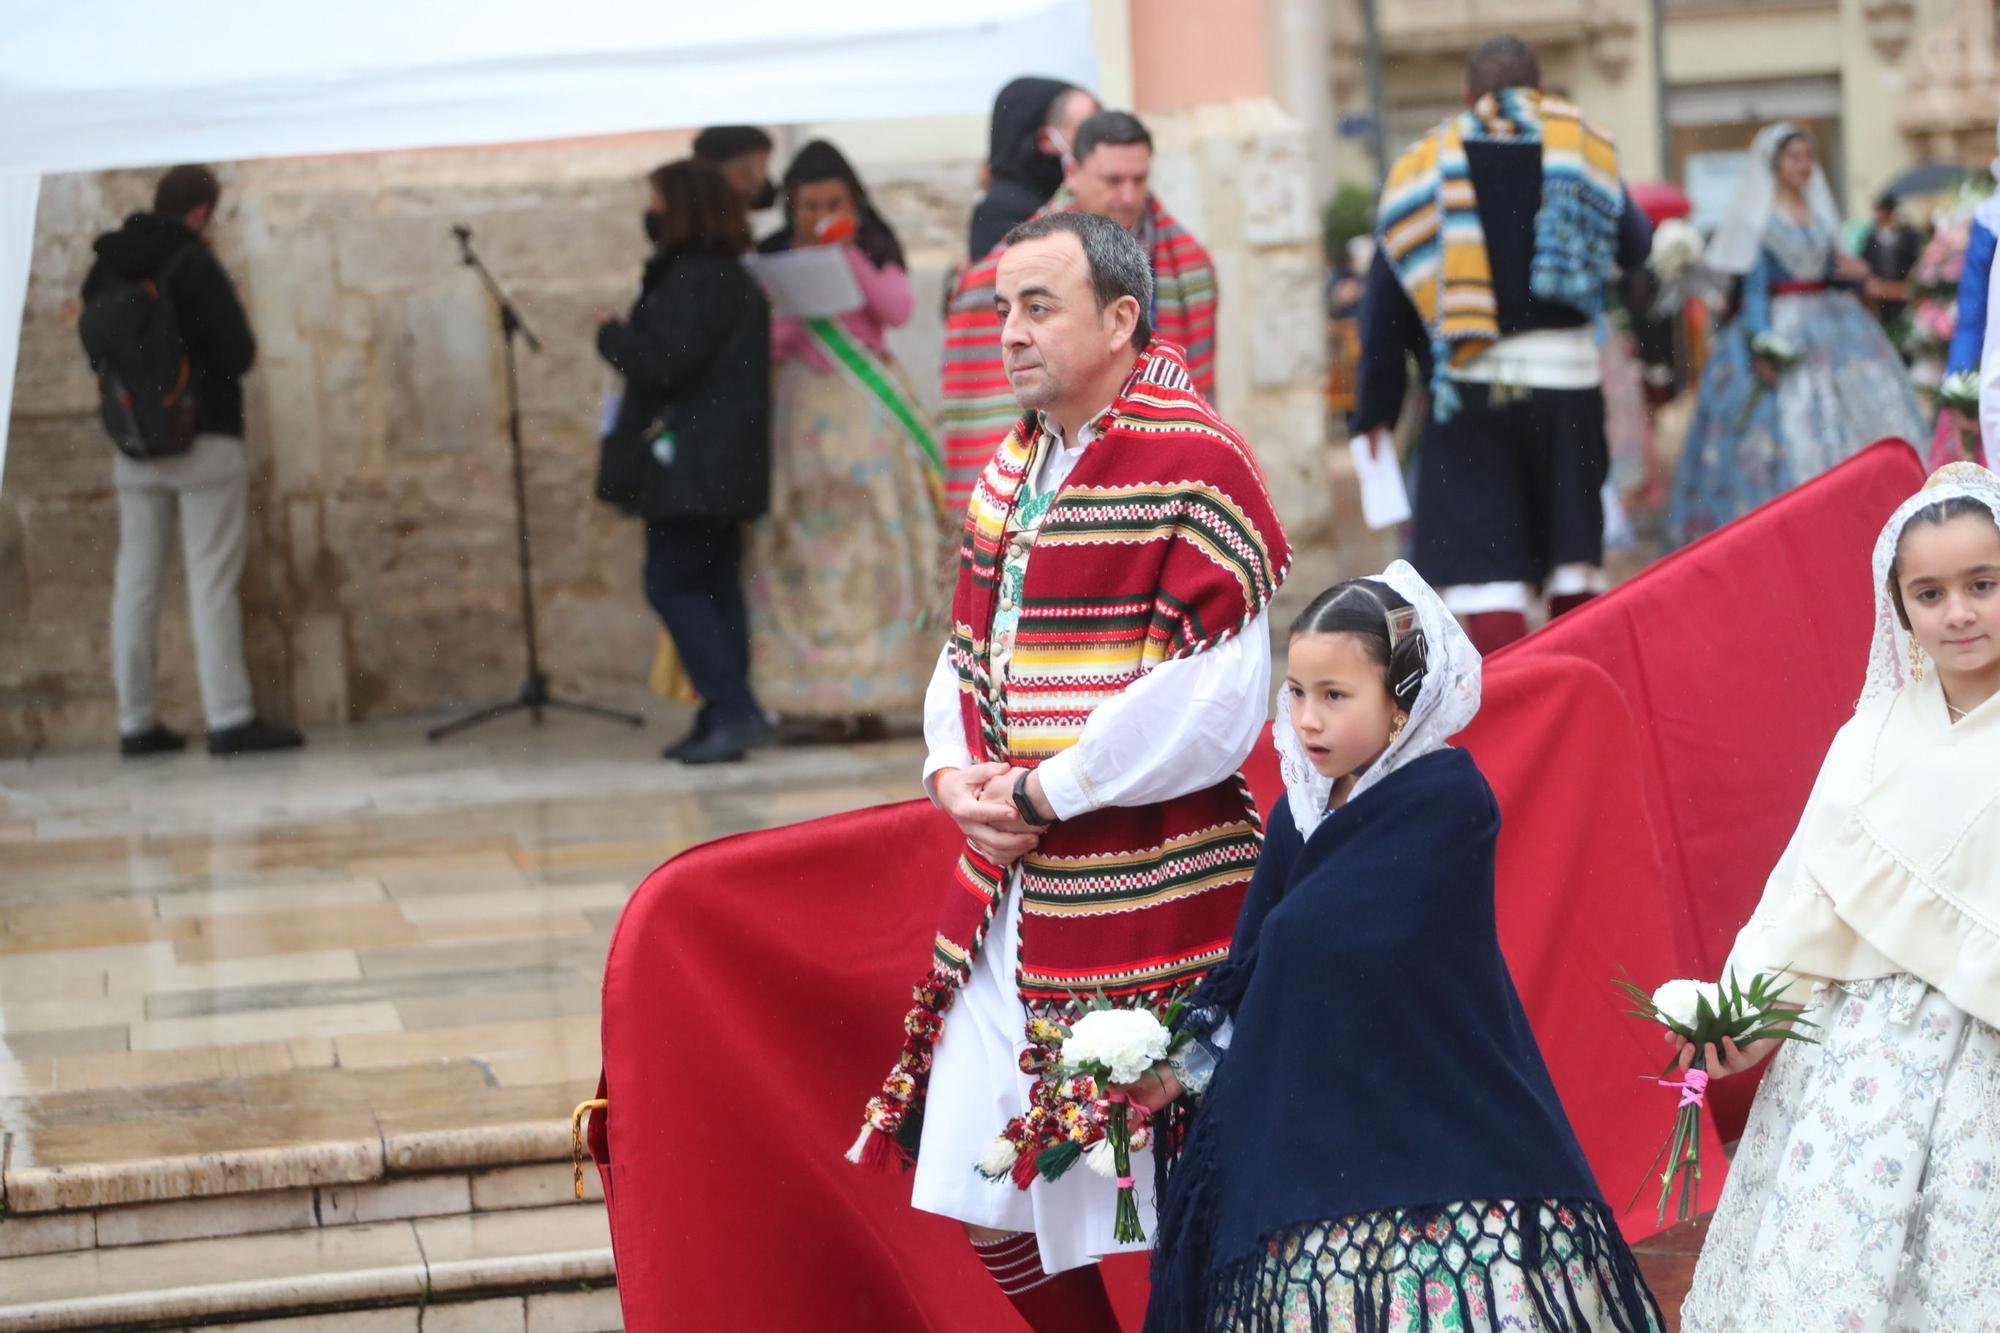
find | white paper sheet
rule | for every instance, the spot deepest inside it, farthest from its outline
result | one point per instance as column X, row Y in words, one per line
column 810, row 282
column 1385, row 501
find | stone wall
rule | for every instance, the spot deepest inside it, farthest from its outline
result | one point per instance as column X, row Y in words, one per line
column 381, row 576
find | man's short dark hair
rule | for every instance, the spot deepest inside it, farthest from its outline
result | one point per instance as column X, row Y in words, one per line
column 1118, row 263
column 1501, row 62
column 1118, row 128
column 1886, row 202
column 726, row 143
column 184, row 189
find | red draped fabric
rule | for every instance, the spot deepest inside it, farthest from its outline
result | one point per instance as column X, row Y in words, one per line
column 1739, row 658
column 755, row 984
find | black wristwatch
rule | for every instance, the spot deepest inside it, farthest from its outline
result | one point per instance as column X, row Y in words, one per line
column 1026, row 805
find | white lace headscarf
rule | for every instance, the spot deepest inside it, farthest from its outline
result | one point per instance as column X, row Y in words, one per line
column 1889, row 656
column 1740, row 238
column 1446, row 702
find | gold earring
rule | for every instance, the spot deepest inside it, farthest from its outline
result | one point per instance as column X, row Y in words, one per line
column 1916, row 661
column 1402, row 720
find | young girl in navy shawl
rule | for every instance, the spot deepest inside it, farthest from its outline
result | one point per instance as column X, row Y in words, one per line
column 1379, row 1147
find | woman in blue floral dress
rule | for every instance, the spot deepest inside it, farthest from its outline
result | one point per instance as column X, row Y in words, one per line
column 1802, row 378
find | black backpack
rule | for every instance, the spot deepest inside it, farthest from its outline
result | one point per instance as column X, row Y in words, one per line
column 145, row 382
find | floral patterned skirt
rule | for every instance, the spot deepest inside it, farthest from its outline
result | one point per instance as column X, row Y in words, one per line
column 1865, row 1194
column 846, row 576
column 1462, row 1268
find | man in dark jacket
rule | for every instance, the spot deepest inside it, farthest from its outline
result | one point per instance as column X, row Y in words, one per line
column 1030, row 143
column 207, row 487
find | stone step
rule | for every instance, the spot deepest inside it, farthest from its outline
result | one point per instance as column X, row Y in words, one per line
column 495, row 1189
column 533, row 1269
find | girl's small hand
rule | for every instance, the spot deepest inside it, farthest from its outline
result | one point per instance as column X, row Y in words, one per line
column 1723, row 1061
column 1155, row 1089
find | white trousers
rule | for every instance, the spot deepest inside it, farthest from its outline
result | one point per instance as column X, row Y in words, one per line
column 208, row 489
column 976, row 1087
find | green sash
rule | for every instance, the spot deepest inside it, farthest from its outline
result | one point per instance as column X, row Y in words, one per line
column 867, row 370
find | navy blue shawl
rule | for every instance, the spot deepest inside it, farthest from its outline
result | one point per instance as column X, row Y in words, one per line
column 1381, row 1058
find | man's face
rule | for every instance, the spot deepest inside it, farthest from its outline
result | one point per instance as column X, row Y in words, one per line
column 1054, row 339
column 1112, row 182
column 1074, row 107
column 750, row 176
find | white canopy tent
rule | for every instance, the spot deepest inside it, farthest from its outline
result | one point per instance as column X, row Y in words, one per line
column 95, row 84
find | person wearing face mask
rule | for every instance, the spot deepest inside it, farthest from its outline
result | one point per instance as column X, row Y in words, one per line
column 689, row 446
column 742, row 153
column 1802, row 377
column 847, row 570
column 1110, row 176
column 1034, row 125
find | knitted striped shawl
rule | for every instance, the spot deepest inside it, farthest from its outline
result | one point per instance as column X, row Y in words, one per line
column 978, row 404
column 1432, row 237
column 1162, row 543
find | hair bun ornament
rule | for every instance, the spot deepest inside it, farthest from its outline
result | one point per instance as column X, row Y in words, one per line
column 1402, row 621
column 1961, row 474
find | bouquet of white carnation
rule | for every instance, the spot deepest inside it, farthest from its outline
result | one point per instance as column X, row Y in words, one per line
column 1960, row 392
column 1777, row 352
column 1677, row 248
column 1703, row 1013
column 1117, row 1046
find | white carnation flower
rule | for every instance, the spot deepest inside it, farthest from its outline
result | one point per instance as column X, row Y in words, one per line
column 1127, row 1042
column 1678, row 1001
column 1677, row 248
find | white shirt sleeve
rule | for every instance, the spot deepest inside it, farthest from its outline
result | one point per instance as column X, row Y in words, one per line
column 944, row 725
column 1182, row 727
column 1989, row 373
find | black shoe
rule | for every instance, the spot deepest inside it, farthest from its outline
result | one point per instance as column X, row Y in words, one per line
column 253, row 737
column 704, row 722
column 157, row 741
column 727, row 742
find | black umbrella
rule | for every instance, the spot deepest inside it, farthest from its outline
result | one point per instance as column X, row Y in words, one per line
column 1928, row 178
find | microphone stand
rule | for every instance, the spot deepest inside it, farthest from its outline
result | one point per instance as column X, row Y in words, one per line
column 534, row 695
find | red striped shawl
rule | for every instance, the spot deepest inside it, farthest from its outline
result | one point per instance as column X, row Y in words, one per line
column 1162, row 543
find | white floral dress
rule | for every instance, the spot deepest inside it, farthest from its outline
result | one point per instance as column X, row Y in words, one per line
column 1865, row 1194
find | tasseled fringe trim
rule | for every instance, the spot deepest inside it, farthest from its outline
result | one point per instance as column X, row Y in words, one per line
column 1254, row 1294
column 875, row 1150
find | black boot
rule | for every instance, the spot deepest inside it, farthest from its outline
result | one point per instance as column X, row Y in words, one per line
column 704, row 722
column 253, row 737
column 728, row 741
column 157, row 741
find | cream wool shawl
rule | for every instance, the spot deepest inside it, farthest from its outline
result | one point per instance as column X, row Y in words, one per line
column 1895, row 866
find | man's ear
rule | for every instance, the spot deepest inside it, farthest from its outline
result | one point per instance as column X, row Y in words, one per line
column 1124, row 319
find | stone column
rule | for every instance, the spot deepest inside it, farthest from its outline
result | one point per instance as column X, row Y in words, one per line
column 1235, row 167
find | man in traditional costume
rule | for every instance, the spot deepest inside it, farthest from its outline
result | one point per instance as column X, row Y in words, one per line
column 1499, row 231
column 1109, row 176
column 1106, row 675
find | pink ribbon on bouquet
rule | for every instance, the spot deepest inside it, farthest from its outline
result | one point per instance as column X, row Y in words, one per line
column 1693, row 1086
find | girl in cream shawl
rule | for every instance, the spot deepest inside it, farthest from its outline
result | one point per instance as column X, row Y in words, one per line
column 1865, row 1193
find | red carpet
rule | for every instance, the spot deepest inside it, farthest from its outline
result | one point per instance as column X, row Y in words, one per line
column 754, row 987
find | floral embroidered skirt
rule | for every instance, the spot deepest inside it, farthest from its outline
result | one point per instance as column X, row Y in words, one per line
column 1461, row 1268
column 846, row 576
column 1865, row 1194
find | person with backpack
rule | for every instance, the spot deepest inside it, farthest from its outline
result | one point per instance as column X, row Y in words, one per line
column 170, row 344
